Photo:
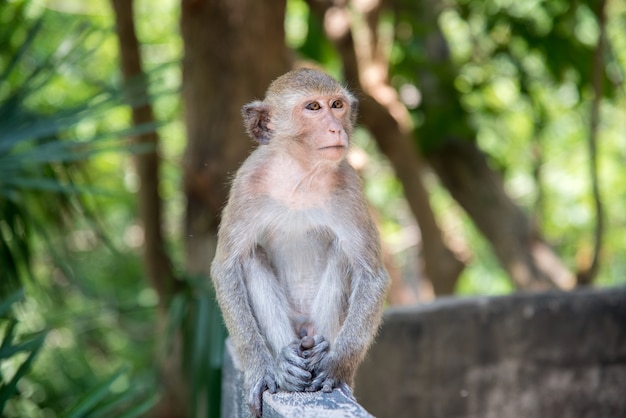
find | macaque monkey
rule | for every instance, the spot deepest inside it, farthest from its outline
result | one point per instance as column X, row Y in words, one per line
column 298, row 270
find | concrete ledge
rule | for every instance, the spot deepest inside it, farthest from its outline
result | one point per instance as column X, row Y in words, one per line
column 311, row 405
column 526, row 355
column 282, row 404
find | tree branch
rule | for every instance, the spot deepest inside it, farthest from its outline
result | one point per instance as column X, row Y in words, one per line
column 587, row 275
column 156, row 260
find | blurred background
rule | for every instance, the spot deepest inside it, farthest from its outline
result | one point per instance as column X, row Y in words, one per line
column 491, row 141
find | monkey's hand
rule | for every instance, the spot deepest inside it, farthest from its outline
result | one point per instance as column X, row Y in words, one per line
column 291, row 369
column 327, row 375
column 256, row 393
column 314, row 350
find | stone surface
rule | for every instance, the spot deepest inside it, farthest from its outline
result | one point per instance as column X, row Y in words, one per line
column 233, row 398
column 527, row 355
column 311, row 405
column 282, row 404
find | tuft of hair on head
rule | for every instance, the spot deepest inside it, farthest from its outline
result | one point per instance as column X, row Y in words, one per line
column 305, row 81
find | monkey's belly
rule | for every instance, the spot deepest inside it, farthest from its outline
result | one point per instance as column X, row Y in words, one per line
column 299, row 260
column 299, row 267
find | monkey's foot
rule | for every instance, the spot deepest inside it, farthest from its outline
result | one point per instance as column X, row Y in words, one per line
column 328, row 385
column 255, row 401
column 314, row 350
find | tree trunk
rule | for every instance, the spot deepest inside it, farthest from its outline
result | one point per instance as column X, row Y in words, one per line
column 233, row 50
column 587, row 273
column 156, row 261
column 530, row 262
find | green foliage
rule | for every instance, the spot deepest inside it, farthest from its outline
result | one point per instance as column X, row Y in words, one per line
column 82, row 342
column 63, row 130
column 421, row 62
column 195, row 315
column 98, row 401
column 519, row 84
column 11, row 348
column 19, row 351
column 42, row 177
column 305, row 34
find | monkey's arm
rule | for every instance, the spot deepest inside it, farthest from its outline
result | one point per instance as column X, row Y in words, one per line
column 247, row 339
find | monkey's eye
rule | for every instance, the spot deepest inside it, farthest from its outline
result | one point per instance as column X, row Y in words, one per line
column 313, row 106
column 337, row 104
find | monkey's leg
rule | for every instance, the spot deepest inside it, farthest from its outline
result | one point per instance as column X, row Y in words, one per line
column 361, row 319
column 328, row 311
column 271, row 310
column 243, row 328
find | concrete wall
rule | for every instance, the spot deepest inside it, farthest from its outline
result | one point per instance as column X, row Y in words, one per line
column 528, row 355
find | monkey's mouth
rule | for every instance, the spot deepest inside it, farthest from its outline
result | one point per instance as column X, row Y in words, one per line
column 337, row 147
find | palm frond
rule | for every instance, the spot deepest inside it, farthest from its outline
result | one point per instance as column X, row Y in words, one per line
column 40, row 152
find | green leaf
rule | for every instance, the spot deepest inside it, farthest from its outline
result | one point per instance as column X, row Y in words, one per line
column 6, row 391
column 93, row 396
column 7, row 303
column 26, row 44
column 141, row 408
column 7, row 351
column 113, row 405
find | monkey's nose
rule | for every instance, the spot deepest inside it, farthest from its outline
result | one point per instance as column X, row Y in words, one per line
column 335, row 129
column 334, row 126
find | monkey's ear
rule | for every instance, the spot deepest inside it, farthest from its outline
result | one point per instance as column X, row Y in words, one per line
column 256, row 117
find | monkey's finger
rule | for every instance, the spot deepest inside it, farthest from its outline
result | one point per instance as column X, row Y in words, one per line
column 296, row 361
column 343, row 387
column 317, row 382
column 318, row 339
column 316, row 356
column 318, row 348
column 292, row 357
column 320, row 344
column 294, row 385
column 307, row 342
column 270, row 382
column 295, row 382
column 328, row 385
column 256, row 397
column 301, row 374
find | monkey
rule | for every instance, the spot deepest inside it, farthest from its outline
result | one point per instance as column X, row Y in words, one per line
column 298, row 271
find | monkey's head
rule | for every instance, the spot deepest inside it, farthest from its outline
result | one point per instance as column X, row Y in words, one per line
column 308, row 111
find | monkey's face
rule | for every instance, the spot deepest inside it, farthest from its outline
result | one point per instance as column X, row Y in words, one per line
column 324, row 125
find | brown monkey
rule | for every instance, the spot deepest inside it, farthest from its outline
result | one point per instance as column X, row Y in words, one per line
column 298, row 270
